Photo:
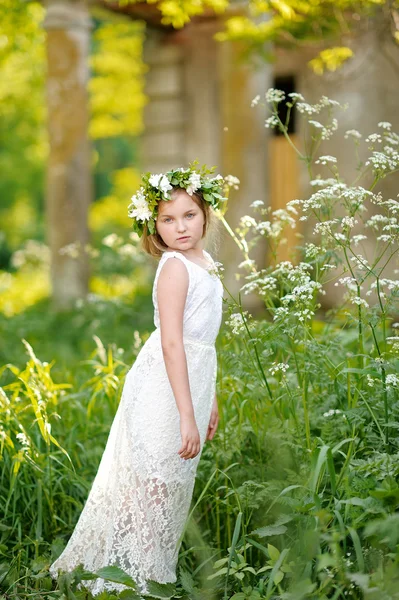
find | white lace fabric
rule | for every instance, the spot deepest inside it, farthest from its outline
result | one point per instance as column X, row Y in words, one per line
column 140, row 498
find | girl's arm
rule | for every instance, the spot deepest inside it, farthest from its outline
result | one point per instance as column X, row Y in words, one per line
column 172, row 288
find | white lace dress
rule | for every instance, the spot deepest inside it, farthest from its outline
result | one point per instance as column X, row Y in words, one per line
column 140, row 498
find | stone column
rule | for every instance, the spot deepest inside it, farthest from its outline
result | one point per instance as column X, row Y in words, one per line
column 69, row 185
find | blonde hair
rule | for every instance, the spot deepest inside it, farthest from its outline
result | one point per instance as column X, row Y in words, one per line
column 153, row 244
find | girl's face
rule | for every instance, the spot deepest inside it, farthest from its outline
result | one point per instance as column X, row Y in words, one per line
column 180, row 221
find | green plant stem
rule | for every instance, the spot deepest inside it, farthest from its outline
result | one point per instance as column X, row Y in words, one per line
column 384, row 385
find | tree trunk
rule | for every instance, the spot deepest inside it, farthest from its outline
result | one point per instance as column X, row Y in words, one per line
column 69, row 185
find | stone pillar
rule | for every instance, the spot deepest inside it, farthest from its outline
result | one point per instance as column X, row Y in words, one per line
column 69, row 185
column 163, row 142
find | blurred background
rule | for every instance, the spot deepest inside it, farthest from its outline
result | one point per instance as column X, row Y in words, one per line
column 93, row 93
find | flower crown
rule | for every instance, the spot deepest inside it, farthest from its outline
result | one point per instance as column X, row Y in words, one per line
column 144, row 204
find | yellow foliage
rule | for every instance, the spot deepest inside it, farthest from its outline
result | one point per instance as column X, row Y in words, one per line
column 242, row 28
column 112, row 210
column 179, row 12
column 113, row 286
column 283, row 8
column 19, row 221
column 331, row 59
column 116, row 88
column 108, row 212
column 291, row 22
column 22, row 289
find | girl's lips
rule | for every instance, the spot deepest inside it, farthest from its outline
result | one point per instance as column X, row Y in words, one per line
column 184, row 238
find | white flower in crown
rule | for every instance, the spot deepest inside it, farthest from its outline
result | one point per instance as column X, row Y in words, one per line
column 139, row 207
column 194, row 183
column 161, row 182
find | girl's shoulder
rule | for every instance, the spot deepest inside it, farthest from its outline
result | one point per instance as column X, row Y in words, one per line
column 171, row 254
column 165, row 256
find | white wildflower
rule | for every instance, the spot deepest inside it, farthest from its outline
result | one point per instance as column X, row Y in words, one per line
column 394, row 341
column 325, row 101
column 282, row 215
column 385, row 125
column 295, row 96
column 384, row 162
column 332, row 412
column 271, row 122
column 21, row 437
column 348, row 222
column 111, row 240
column 257, row 204
column 358, row 238
column 232, row 181
column 322, row 182
column 323, row 160
column 316, row 124
column 236, row 322
column 273, row 95
column 309, row 109
column 127, row 250
column 72, row 250
column 359, row 301
column 313, row 251
column 348, row 282
column 276, row 367
column 374, row 138
column 354, row 133
column 392, row 380
column 255, row 101
column 248, row 263
column 247, row 221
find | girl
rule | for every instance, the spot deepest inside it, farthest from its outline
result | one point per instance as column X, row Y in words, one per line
column 140, row 498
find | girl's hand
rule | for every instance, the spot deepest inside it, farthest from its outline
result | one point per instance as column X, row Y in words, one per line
column 213, row 421
column 190, row 438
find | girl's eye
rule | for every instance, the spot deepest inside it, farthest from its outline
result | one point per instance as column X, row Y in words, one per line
column 167, row 219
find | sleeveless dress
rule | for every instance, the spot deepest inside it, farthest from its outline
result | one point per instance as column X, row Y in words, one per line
column 140, row 498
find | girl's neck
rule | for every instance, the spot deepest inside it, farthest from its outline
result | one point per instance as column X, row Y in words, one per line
column 190, row 252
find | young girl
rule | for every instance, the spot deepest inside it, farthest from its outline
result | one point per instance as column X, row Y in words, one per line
column 140, row 498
